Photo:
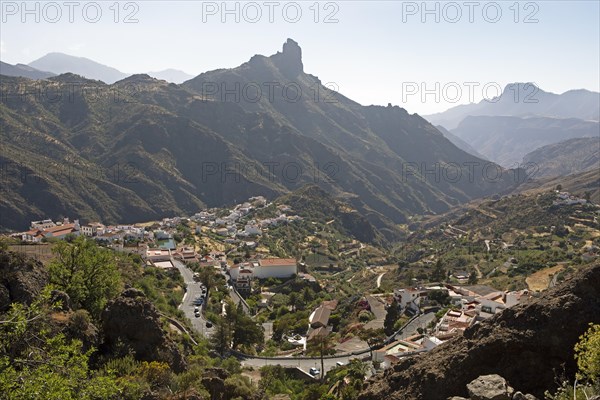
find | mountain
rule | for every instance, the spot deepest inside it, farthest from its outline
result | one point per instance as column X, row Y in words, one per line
column 23, row 70
column 60, row 63
column 458, row 142
column 526, row 344
column 171, row 75
column 523, row 99
column 565, row 158
column 142, row 148
column 506, row 140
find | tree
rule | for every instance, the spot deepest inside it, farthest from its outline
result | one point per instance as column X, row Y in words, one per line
column 86, row 272
column 221, row 337
column 438, row 274
column 33, row 361
column 321, row 344
column 246, row 332
column 293, row 300
column 392, row 315
column 473, row 278
column 207, row 277
column 439, row 296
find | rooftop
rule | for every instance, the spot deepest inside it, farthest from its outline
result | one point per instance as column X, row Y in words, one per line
column 272, row 262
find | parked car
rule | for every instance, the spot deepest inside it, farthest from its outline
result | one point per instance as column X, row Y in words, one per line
column 197, row 314
column 314, row 371
column 339, row 364
column 209, row 324
column 196, row 309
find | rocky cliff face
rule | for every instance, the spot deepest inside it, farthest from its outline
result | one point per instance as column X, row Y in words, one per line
column 529, row 345
column 133, row 321
column 21, row 278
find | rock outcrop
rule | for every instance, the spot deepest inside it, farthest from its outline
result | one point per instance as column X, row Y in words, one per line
column 22, row 278
column 492, row 387
column 529, row 345
column 131, row 320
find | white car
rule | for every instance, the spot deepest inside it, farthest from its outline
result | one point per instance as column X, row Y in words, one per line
column 339, row 364
column 314, row 371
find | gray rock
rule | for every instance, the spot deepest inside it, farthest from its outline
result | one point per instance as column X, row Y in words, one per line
column 489, row 387
column 519, row 396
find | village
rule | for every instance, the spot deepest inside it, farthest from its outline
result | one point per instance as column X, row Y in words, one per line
column 293, row 303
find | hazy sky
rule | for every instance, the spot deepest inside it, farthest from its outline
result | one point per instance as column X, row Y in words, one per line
column 375, row 52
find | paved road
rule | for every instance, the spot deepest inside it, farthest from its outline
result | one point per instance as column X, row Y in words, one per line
column 420, row 322
column 379, row 279
column 234, row 294
column 193, row 290
column 304, row 364
column 378, row 309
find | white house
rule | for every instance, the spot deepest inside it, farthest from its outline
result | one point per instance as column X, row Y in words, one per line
column 252, row 230
column 410, row 298
column 276, row 268
column 92, row 229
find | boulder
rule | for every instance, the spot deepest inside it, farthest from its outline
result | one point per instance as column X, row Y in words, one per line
column 489, row 387
column 22, row 278
column 132, row 321
column 521, row 396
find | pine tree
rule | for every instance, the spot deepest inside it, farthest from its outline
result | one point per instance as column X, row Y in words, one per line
column 393, row 313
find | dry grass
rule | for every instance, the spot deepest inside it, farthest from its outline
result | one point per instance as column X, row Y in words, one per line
column 540, row 280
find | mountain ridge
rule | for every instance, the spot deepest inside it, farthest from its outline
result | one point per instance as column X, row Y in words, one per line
column 160, row 149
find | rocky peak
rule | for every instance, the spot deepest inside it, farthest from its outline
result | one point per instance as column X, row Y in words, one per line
column 289, row 61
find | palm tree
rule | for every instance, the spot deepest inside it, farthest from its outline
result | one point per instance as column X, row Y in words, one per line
column 321, row 344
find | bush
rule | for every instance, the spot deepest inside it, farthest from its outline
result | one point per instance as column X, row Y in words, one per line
column 587, row 354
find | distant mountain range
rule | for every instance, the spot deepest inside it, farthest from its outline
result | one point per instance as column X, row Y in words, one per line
column 525, row 99
column 24, row 71
column 507, row 139
column 565, row 158
column 163, row 149
column 59, row 63
column 458, row 142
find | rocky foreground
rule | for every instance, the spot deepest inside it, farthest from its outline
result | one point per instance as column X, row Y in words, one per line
column 530, row 345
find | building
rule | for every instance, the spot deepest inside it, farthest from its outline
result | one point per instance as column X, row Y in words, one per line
column 157, row 255
column 252, row 230
column 42, row 225
column 319, row 317
column 61, row 231
column 275, row 268
column 92, row 229
column 454, row 323
column 410, row 298
column 222, row 232
column 32, row 236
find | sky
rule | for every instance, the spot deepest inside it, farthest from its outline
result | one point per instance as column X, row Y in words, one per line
column 423, row 56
